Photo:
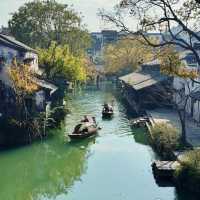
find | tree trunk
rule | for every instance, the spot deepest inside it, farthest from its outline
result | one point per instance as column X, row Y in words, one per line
column 183, row 126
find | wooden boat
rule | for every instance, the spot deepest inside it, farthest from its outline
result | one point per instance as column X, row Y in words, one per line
column 85, row 129
column 107, row 111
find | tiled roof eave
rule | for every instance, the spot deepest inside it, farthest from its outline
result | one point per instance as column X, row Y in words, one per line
column 144, row 82
column 16, row 44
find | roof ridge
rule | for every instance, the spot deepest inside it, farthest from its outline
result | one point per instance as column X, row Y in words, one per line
column 17, row 43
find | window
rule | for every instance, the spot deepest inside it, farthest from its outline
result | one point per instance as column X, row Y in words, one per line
column 21, row 54
column 191, row 59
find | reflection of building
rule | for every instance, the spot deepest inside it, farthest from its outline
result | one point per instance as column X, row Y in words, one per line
column 11, row 49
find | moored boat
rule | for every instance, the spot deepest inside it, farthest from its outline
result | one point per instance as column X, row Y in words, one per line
column 87, row 128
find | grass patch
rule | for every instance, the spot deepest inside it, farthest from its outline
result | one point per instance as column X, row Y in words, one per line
column 165, row 139
column 188, row 174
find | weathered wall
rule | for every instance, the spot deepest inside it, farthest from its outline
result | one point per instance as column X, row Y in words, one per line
column 193, row 106
column 34, row 63
column 40, row 100
column 131, row 96
column 9, row 53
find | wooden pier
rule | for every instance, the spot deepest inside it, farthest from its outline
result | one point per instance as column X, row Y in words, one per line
column 139, row 122
column 165, row 169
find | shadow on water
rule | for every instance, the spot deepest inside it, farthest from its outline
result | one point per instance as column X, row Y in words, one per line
column 141, row 136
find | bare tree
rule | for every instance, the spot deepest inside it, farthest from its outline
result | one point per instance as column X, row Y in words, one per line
column 182, row 95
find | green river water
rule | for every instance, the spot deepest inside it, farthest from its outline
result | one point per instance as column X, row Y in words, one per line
column 115, row 165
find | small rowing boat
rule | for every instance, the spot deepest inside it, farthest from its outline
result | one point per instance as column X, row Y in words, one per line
column 87, row 128
column 107, row 111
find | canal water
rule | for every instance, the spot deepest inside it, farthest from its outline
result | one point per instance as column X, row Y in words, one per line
column 115, row 165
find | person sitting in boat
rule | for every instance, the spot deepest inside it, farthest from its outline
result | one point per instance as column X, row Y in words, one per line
column 85, row 130
column 111, row 108
column 94, row 120
column 85, row 119
column 106, row 107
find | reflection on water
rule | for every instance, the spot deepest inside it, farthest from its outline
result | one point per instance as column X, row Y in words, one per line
column 116, row 165
column 45, row 169
column 141, row 136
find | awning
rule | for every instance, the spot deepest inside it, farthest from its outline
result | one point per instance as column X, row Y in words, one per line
column 45, row 84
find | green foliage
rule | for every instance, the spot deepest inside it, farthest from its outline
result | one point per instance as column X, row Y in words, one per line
column 59, row 114
column 21, row 77
column 188, row 174
column 165, row 139
column 37, row 23
column 171, row 63
column 125, row 56
column 59, row 62
column 16, row 132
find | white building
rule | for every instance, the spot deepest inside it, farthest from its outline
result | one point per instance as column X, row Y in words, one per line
column 11, row 49
column 190, row 89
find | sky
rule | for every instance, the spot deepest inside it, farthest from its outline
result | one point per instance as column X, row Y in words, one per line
column 87, row 8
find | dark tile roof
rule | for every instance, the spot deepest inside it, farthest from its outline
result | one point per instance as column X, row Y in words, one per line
column 15, row 44
column 148, row 75
column 140, row 80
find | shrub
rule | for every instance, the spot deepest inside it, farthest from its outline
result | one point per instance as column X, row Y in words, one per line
column 165, row 139
column 58, row 114
column 14, row 132
column 188, row 174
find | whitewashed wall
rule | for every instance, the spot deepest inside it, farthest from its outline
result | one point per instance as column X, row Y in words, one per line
column 34, row 63
column 9, row 53
column 40, row 99
column 179, row 83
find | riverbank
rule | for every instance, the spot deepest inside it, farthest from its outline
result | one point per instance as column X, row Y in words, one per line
column 183, row 167
column 161, row 115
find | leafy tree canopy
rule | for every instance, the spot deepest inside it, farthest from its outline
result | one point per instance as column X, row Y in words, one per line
column 171, row 63
column 59, row 62
column 39, row 22
column 126, row 55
